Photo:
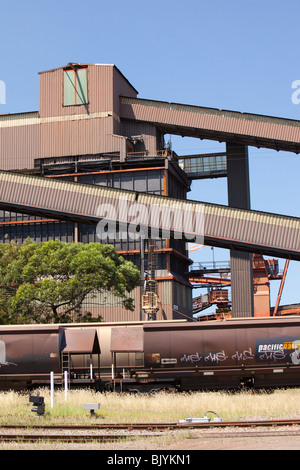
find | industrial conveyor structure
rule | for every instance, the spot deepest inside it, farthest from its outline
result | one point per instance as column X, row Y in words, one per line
column 116, row 129
column 159, row 216
column 215, row 124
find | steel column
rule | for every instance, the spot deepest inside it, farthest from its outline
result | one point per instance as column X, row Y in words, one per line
column 238, row 185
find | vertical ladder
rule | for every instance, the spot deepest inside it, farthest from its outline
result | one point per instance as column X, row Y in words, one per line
column 151, row 283
column 66, row 364
column 152, row 265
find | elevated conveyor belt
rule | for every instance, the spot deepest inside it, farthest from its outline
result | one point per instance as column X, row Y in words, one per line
column 210, row 224
column 215, row 124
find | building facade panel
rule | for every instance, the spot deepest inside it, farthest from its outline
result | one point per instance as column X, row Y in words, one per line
column 19, row 146
column 78, row 137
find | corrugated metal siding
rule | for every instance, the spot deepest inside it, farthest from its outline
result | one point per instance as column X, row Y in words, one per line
column 241, row 263
column 101, row 88
column 18, row 119
column 222, row 225
column 19, row 140
column 121, row 88
column 182, row 301
column 51, row 96
column 111, row 310
column 20, row 144
column 241, row 284
column 18, row 147
column 42, row 230
column 89, row 136
column 273, row 132
column 149, row 132
column 91, row 128
column 105, row 85
column 59, row 130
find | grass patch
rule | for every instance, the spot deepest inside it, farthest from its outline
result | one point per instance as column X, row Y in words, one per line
column 121, row 408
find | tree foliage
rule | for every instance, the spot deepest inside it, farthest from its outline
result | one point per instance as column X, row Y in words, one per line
column 48, row 282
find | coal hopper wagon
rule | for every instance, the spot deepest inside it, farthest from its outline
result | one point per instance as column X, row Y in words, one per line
column 146, row 356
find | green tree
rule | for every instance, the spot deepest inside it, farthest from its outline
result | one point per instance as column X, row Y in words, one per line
column 48, row 282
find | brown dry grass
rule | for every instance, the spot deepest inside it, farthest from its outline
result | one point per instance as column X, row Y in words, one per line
column 160, row 407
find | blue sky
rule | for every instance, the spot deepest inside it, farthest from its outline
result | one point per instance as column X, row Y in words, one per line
column 237, row 55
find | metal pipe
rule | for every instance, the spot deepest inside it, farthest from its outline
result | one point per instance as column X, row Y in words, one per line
column 281, row 287
column 52, row 389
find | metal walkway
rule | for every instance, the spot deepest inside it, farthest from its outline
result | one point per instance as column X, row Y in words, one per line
column 157, row 216
column 213, row 165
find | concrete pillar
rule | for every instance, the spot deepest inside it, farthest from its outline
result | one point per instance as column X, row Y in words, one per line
column 238, row 185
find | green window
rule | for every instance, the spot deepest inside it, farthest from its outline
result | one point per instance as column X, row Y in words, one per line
column 75, row 86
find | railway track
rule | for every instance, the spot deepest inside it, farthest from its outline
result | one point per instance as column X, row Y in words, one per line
column 110, row 432
column 160, row 426
column 67, row 438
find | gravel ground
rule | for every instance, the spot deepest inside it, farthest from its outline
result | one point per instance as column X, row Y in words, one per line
column 283, row 438
column 259, row 440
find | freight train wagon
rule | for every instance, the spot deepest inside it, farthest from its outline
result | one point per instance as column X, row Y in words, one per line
column 137, row 356
column 29, row 353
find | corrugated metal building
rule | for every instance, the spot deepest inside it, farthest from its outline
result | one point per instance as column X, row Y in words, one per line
column 78, row 135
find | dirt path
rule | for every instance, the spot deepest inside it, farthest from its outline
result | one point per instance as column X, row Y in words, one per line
column 236, row 443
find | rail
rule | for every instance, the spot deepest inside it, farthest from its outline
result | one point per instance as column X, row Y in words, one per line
column 211, row 266
column 172, row 425
column 109, row 434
